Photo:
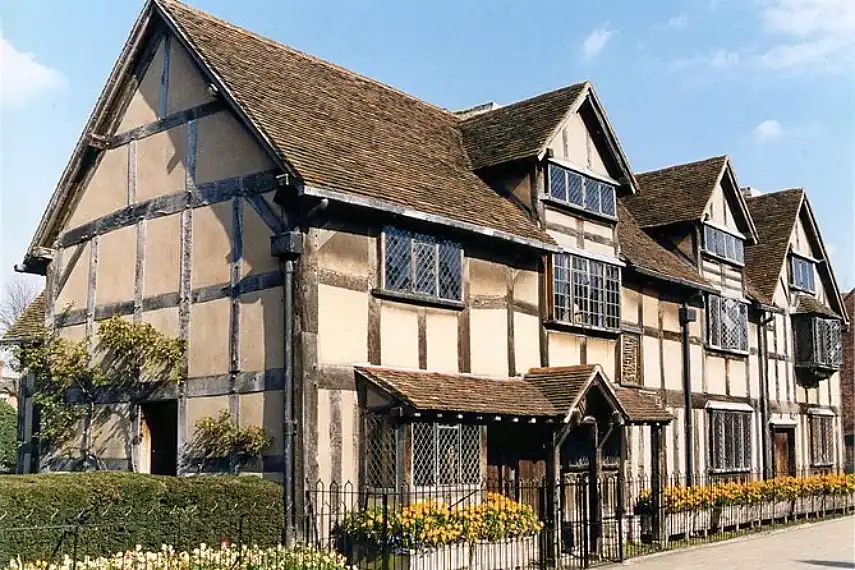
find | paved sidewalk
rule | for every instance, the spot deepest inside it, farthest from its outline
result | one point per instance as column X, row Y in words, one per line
column 829, row 544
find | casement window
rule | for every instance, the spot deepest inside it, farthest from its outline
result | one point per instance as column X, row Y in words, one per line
column 821, row 440
column 446, row 454
column 727, row 323
column 724, row 245
column 422, row 265
column 585, row 292
column 380, row 451
column 730, row 440
column 818, row 342
column 801, row 274
column 630, row 354
column 581, row 191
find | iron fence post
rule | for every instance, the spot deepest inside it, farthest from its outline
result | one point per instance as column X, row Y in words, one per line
column 385, row 530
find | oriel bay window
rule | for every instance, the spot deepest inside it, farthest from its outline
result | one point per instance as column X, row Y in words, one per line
column 581, row 191
column 585, row 292
column 818, row 342
column 727, row 323
column 729, row 440
column 422, row 265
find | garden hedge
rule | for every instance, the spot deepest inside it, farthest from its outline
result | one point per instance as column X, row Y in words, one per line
column 49, row 515
column 8, row 437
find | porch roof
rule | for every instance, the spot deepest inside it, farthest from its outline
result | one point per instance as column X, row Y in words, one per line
column 552, row 393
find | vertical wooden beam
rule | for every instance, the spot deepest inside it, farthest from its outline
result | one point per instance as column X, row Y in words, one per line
column 132, row 173
column 235, row 273
column 335, row 434
column 661, row 330
column 583, row 349
column 53, row 283
column 544, row 287
column 139, row 270
column 305, row 377
column 422, row 338
column 657, row 481
column 464, row 358
column 185, row 289
column 86, row 443
column 375, row 269
column 509, row 304
column 727, row 375
column 163, row 99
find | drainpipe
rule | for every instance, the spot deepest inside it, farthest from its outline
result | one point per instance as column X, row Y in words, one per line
column 763, row 369
column 688, row 315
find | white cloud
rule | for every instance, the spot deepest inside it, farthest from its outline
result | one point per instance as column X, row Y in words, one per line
column 768, row 130
column 22, row 77
column 812, row 34
column 596, row 41
column 716, row 59
column 680, row 22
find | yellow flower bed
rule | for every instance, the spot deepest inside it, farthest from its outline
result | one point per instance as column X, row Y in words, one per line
column 431, row 523
column 224, row 557
column 679, row 499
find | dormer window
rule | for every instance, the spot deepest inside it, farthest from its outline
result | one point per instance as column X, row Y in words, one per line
column 723, row 244
column 802, row 274
column 581, row 191
column 422, row 265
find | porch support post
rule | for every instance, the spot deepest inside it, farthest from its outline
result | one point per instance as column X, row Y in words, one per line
column 621, row 484
column 657, row 450
column 553, row 496
column 594, row 503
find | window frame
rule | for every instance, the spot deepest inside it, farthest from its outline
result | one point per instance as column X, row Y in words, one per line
column 583, row 204
column 821, row 435
column 806, row 264
column 562, row 284
column 813, row 351
column 723, row 451
column 724, row 234
column 717, row 315
column 421, row 242
column 435, row 449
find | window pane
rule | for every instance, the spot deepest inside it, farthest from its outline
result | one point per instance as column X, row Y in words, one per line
column 424, row 254
column 398, row 269
column 448, row 454
column 714, row 320
column 607, row 199
column 575, row 191
column 450, row 272
column 581, row 291
column 592, row 195
column 557, row 183
column 470, row 454
column 612, row 297
column 424, row 461
column 598, row 293
column 740, row 251
column 561, row 287
column 380, row 451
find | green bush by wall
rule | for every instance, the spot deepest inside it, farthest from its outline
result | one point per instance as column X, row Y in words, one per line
column 8, row 437
column 39, row 514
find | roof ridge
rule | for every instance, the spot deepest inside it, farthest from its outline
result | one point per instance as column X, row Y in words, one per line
column 683, row 165
column 299, row 53
column 510, row 106
column 777, row 193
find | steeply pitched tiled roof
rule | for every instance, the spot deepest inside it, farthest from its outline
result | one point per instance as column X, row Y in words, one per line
column 775, row 215
column 641, row 252
column 809, row 304
column 675, row 194
column 461, row 393
column 29, row 325
column 542, row 392
column 847, row 371
column 348, row 133
column 519, row 130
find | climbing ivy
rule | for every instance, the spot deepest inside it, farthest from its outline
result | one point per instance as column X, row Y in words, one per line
column 123, row 353
column 220, row 437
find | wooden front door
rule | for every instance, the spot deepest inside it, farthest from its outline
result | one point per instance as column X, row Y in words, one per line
column 784, row 451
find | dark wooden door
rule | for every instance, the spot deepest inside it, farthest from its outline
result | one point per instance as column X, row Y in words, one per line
column 784, row 452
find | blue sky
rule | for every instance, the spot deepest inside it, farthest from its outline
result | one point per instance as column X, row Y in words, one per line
column 769, row 82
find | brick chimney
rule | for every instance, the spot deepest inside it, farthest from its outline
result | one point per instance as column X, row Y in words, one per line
column 748, row 192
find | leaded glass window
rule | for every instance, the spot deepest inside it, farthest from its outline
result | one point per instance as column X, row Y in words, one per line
column 821, row 440
column 818, row 342
column 582, row 191
column 730, row 440
column 724, row 245
column 586, row 292
column 446, row 454
column 380, row 458
column 801, row 273
column 727, row 323
column 422, row 265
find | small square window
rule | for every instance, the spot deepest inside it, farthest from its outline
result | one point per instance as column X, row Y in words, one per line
column 422, row 265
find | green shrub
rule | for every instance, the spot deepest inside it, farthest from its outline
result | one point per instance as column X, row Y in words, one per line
column 118, row 511
column 8, row 437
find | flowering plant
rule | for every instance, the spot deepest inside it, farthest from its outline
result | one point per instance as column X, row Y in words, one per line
column 679, row 499
column 432, row 523
column 224, row 557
